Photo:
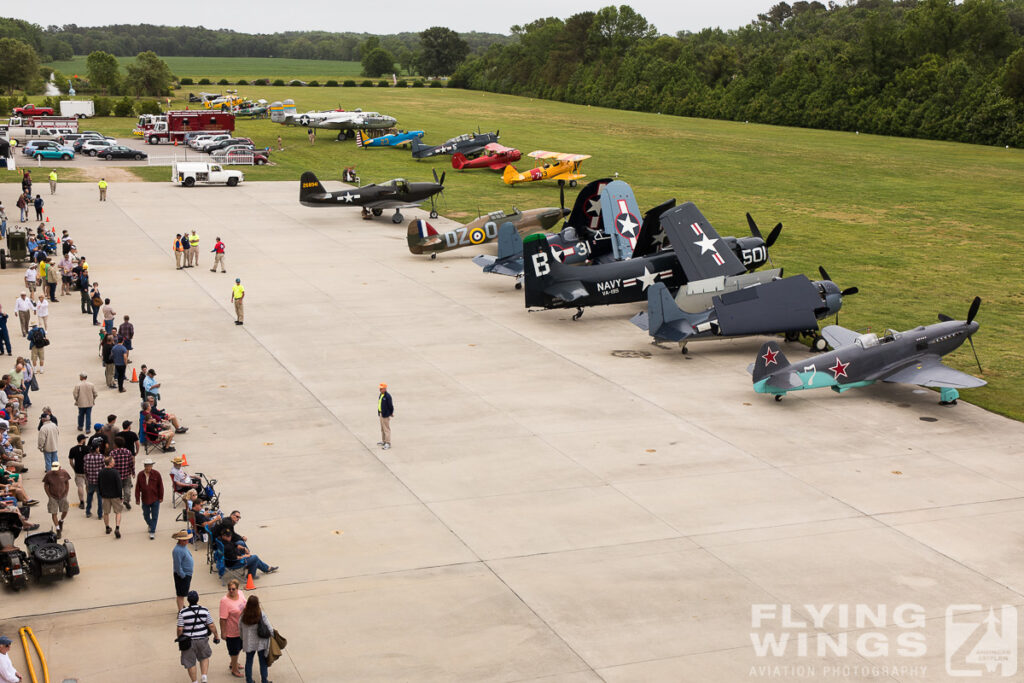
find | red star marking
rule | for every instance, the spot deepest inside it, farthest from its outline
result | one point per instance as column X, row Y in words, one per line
column 839, row 369
column 769, row 357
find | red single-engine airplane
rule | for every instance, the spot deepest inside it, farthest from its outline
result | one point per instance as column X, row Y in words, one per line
column 495, row 157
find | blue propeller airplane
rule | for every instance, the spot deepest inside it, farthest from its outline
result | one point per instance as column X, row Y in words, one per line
column 390, row 138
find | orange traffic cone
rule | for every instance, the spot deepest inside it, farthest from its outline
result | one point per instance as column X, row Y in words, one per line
column 47, row 219
column 135, row 375
column 184, row 460
column 249, row 585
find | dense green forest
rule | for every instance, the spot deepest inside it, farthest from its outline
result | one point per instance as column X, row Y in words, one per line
column 931, row 69
column 56, row 43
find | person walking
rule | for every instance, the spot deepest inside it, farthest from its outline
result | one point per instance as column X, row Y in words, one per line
column 57, row 485
column 38, row 204
column 93, row 465
column 179, row 251
column 218, row 257
column 106, row 346
column 108, row 316
column 124, row 463
column 3, row 221
column 255, row 645
column 22, row 205
column 126, row 331
column 43, row 311
column 193, row 247
column 85, row 398
column 149, row 493
column 7, row 671
column 95, row 302
column 76, row 456
column 51, row 279
column 186, row 254
column 195, row 623
column 47, row 441
column 386, row 411
column 231, row 607
column 37, row 342
column 24, row 307
column 53, row 181
column 102, row 184
column 109, row 484
column 64, row 266
column 181, row 556
column 119, row 356
column 5, row 337
column 237, row 295
column 32, row 279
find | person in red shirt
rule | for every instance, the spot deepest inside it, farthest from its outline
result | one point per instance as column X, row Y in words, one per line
column 149, row 493
column 218, row 257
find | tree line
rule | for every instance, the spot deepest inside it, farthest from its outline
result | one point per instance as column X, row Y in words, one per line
column 917, row 68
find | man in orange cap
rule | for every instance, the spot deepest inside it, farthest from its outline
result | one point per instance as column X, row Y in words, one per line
column 386, row 410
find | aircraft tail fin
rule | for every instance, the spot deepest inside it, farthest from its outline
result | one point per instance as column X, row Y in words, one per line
column 417, row 235
column 510, row 174
column 665, row 319
column 419, row 150
column 359, row 138
column 769, row 359
column 537, row 269
column 280, row 112
column 309, row 185
column 459, row 160
column 510, row 244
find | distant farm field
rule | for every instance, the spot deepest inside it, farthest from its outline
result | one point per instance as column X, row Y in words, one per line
column 236, row 68
column 920, row 227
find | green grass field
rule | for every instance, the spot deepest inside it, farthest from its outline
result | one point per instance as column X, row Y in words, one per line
column 921, row 227
column 236, row 68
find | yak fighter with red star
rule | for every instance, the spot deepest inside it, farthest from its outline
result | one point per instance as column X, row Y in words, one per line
column 912, row 357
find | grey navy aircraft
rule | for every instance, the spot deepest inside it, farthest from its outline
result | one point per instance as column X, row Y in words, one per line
column 549, row 284
column 345, row 122
column 424, row 239
column 912, row 357
column 395, row 194
column 468, row 145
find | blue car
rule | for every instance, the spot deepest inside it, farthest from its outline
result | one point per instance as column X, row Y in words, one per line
column 47, row 149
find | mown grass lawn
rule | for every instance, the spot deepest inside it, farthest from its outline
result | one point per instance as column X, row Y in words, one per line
column 237, row 68
column 920, row 226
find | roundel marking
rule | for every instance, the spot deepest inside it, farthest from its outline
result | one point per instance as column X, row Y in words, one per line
column 477, row 235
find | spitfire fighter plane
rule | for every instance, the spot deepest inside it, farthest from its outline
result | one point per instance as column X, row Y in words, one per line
column 495, row 157
column 395, row 194
column 912, row 357
column 423, row 239
column 389, row 138
column 345, row 122
column 469, row 145
column 556, row 166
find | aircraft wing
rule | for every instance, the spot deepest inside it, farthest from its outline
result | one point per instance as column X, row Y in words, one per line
column 567, row 291
column 838, row 336
column 652, row 236
column 785, row 305
column 930, row 372
column 391, row 204
column 542, row 154
column 512, row 267
column 697, row 245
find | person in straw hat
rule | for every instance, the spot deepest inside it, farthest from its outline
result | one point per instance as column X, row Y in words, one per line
column 183, row 566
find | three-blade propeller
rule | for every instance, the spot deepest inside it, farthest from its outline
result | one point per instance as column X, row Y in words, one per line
column 756, row 232
column 846, row 292
column 971, row 313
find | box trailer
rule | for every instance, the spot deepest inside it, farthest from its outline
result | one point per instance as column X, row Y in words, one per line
column 79, row 109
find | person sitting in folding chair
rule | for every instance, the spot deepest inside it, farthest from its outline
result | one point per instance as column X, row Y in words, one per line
column 155, row 433
column 235, row 556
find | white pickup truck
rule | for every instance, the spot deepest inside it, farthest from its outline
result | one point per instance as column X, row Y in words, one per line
column 190, row 174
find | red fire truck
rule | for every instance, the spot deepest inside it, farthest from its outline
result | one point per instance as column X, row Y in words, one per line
column 181, row 123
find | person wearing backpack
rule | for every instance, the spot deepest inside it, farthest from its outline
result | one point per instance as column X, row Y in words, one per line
column 37, row 343
column 255, row 630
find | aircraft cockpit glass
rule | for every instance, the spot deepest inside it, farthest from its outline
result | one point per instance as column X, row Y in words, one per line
column 495, row 215
column 866, row 341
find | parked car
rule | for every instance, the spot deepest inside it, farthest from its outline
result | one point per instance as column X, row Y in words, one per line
column 193, row 139
column 240, row 155
column 229, row 142
column 80, row 142
column 190, row 174
column 204, row 145
column 48, row 149
column 94, row 147
column 238, row 148
column 71, row 138
column 121, row 152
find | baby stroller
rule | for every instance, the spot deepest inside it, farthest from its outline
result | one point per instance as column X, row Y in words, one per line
column 207, row 493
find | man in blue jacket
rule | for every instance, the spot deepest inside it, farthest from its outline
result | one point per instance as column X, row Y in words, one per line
column 386, row 410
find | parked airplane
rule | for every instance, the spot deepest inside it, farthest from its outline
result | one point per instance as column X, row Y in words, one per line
column 468, row 144
column 423, row 239
column 395, row 194
column 390, row 138
column 912, row 356
column 558, row 166
column 495, row 157
column 345, row 122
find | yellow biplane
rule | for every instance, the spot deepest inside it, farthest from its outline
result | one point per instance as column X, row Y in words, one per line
column 555, row 166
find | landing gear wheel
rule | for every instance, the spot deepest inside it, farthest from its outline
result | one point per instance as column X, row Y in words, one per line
column 433, row 256
column 818, row 343
column 572, row 183
column 397, row 218
column 519, row 285
column 682, row 349
column 778, row 397
column 792, row 336
column 433, row 214
column 377, row 212
column 578, row 314
column 341, row 136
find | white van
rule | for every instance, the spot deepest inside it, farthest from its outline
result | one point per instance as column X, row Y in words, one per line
column 192, row 173
column 25, row 135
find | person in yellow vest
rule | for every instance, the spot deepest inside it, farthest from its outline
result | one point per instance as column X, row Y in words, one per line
column 103, row 189
column 237, row 294
column 193, row 247
column 53, row 181
column 178, row 250
column 385, row 410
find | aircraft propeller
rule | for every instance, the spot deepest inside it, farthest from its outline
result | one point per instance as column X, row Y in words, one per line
column 971, row 312
column 561, row 194
column 756, row 232
column 845, row 292
column 433, row 198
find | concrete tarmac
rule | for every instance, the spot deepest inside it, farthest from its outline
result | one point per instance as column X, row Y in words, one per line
column 563, row 501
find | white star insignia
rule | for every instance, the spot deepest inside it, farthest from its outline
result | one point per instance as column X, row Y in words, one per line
column 348, row 197
column 595, row 206
column 647, row 279
column 707, row 244
column 627, row 226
